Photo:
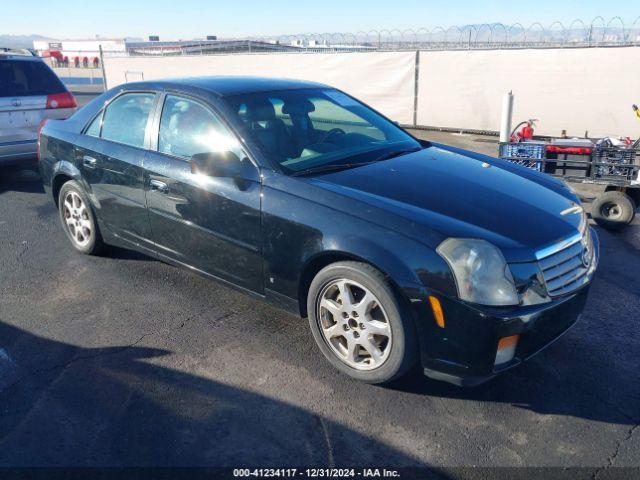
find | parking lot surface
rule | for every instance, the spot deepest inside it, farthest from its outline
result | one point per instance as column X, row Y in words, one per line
column 122, row 360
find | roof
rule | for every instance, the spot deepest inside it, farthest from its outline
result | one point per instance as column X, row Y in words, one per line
column 16, row 53
column 231, row 85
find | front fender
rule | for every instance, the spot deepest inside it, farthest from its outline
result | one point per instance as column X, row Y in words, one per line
column 297, row 231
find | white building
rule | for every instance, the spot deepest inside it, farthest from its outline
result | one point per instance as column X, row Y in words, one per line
column 80, row 48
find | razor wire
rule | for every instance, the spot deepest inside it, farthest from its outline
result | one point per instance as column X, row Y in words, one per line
column 577, row 33
column 488, row 36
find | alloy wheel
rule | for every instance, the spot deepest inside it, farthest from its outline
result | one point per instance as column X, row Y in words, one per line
column 76, row 216
column 354, row 324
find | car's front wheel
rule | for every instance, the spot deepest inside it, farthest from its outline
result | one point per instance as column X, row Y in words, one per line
column 78, row 220
column 359, row 324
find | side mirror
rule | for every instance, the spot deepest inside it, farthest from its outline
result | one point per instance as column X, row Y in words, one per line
column 217, row 164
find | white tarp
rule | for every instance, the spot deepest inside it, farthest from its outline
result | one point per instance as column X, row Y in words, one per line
column 572, row 89
column 384, row 80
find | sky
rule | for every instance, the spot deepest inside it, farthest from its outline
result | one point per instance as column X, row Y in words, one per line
column 187, row 19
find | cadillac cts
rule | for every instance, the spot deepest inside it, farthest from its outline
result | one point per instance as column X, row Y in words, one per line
column 398, row 251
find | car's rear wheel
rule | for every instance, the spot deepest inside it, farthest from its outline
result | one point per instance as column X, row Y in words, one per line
column 359, row 324
column 78, row 220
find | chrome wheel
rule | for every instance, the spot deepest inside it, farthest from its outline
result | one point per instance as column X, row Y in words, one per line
column 77, row 219
column 354, row 324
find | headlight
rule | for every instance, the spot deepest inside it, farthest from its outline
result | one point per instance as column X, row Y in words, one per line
column 480, row 270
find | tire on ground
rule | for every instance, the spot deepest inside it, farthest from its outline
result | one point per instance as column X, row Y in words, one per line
column 95, row 244
column 402, row 355
column 613, row 210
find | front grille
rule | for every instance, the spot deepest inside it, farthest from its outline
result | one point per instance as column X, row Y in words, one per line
column 566, row 270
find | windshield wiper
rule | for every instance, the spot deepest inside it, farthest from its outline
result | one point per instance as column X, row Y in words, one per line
column 344, row 166
column 396, row 153
column 328, row 168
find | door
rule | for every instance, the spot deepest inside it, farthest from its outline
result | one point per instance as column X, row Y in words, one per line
column 210, row 223
column 111, row 156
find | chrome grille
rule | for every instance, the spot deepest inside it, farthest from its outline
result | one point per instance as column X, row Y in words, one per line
column 566, row 269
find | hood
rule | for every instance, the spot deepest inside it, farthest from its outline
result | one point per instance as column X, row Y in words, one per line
column 456, row 195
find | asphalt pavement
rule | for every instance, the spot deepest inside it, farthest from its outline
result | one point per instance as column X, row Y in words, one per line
column 121, row 360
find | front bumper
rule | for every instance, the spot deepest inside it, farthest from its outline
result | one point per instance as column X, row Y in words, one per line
column 466, row 352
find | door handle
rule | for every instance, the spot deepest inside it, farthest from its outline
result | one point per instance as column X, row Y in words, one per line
column 89, row 162
column 159, row 186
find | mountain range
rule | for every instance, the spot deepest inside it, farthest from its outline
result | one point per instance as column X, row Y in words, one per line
column 19, row 41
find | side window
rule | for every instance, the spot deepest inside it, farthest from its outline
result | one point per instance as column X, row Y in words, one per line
column 187, row 128
column 125, row 119
column 328, row 115
column 94, row 128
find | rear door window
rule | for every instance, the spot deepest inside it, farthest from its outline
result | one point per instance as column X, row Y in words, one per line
column 125, row 119
column 21, row 78
column 94, row 128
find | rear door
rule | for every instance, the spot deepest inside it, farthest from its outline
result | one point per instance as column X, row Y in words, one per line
column 24, row 87
column 111, row 155
column 210, row 223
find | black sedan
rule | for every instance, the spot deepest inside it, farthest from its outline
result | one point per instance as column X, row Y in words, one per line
column 398, row 251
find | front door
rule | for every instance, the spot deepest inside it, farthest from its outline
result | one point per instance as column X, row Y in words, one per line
column 111, row 159
column 210, row 223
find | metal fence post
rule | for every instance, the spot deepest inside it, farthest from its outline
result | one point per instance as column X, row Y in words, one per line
column 104, row 75
column 416, row 89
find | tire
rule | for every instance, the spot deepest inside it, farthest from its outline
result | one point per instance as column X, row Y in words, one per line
column 613, row 210
column 343, row 328
column 78, row 220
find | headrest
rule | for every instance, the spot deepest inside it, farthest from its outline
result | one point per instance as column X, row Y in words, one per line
column 260, row 111
column 298, row 107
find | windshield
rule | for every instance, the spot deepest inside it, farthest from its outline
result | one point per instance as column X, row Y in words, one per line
column 313, row 128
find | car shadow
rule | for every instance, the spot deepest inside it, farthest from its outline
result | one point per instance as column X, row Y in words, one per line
column 119, row 253
column 65, row 405
column 22, row 178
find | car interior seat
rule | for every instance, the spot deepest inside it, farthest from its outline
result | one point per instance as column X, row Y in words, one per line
column 304, row 134
column 270, row 130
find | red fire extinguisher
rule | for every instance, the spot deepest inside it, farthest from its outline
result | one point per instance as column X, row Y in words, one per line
column 525, row 133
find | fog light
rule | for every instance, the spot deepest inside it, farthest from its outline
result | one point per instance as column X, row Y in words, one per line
column 506, row 349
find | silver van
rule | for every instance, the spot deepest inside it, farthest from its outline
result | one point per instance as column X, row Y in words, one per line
column 30, row 93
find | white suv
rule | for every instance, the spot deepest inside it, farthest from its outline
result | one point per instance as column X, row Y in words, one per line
column 30, row 93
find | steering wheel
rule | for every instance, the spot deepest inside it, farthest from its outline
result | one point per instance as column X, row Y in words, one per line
column 331, row 132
